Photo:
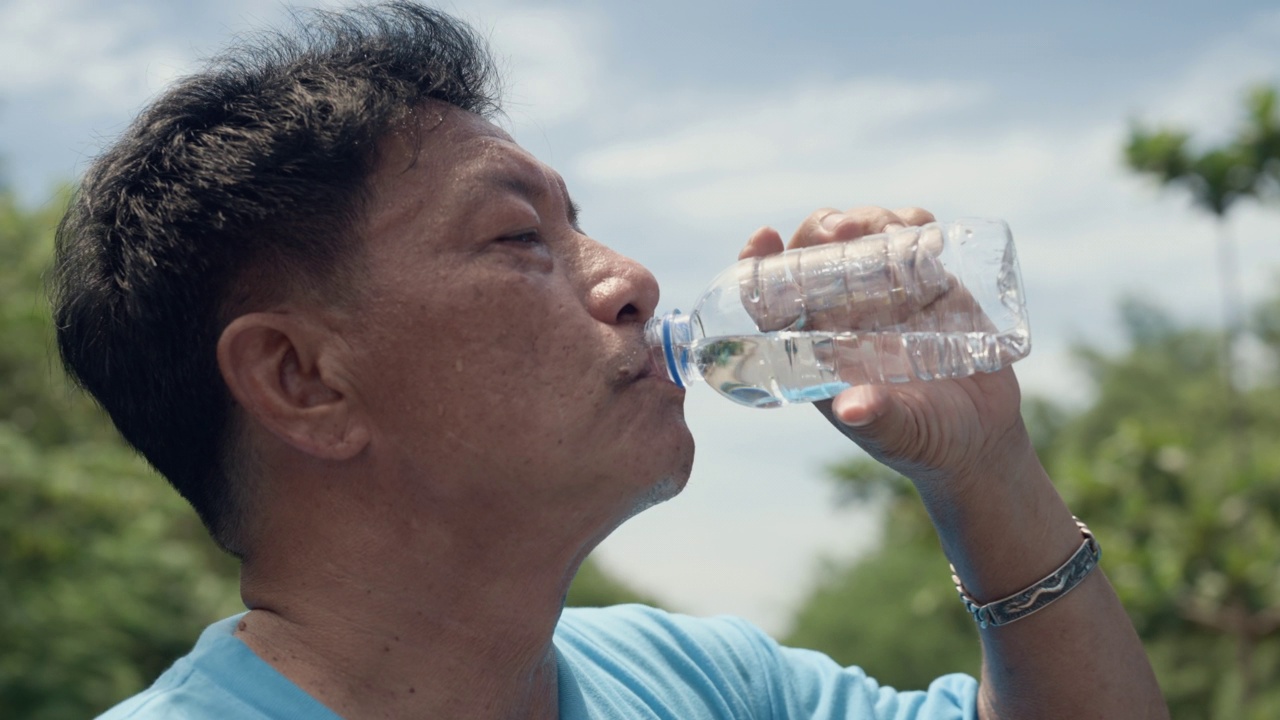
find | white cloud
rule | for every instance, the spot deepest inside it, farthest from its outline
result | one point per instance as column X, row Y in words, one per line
column 95, row 59
column 810, row 122
column 1206, row 94
column 988, row 174
column 1081, row 217
column 550, row 60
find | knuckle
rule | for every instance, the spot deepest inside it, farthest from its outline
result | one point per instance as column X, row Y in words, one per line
column 914, row 215
column 864, row 220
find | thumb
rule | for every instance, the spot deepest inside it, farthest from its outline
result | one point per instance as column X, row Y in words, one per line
column 871, row 416
column 861, row 406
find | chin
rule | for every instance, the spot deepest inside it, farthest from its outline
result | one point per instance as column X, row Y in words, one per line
column 658, row 493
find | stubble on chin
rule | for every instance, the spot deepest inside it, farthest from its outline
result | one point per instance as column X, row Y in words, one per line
column 657, row 493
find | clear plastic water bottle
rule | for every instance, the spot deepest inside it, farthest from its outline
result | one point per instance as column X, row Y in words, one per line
column 943, row 300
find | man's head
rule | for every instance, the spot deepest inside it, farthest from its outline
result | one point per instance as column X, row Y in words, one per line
column 242, row 184
column 318, row 259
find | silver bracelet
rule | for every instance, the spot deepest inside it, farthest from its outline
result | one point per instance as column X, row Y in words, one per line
column 1040, row 595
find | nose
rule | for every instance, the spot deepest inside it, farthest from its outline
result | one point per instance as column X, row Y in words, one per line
column 622, row 290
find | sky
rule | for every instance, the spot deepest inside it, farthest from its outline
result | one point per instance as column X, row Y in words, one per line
column 681, row 127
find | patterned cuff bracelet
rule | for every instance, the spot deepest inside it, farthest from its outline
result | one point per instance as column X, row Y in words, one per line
column 1021, row 604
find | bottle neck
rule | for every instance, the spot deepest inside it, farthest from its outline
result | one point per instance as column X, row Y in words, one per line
column 668, row 338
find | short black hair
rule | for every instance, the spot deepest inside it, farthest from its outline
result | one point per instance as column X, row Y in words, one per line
column 258, row 163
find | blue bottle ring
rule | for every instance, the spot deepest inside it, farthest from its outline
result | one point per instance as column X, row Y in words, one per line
column 668, row 350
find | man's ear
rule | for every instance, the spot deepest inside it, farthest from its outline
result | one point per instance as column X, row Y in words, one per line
column 283, row 370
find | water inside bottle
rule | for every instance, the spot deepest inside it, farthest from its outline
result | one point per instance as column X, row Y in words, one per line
column 785, row 368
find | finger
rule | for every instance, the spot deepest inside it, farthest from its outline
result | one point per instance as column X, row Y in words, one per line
column 873, row 417
column 860, row 406
column 812, row 230
column 765, row 241
column 827, row 226
column 915, row 215
column 762, row 303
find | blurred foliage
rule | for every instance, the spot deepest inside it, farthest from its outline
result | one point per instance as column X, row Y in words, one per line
column 1261, row 138
column 1216, row 178
column 1246, row 165
column 892, row 613
column 106, row 576
column 1174, row 465
column 1190, row 539
column 1191, row 510
column 593, row 586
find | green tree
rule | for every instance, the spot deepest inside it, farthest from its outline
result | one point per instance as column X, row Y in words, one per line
column 893, row 613
column 1248, row 165
column 594, row 586
column 1261, row 138
column 1194, row 538
column 104, row 576
column 1217, row 178
column 1190, row 542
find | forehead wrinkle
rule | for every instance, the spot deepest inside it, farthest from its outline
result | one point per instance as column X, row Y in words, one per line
column 466, row 162
column 523, row 175
column 518, row 183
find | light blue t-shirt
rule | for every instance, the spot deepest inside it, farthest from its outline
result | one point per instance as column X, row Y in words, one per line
column 628, row 661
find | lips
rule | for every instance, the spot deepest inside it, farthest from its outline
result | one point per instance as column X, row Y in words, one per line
column 643, row 371
column 656, row 374
column 644, row 363
column 641, row 367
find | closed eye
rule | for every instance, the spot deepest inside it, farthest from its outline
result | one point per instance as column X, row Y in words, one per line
column 528, row 237
column 528, row 245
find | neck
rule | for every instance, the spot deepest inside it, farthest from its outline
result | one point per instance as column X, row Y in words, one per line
column 412, row 626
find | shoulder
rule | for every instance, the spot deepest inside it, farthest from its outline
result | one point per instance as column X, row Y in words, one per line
column 184, row 690
column 732, row 659
column 220, row 678
column 644, row 624
column 637, row 632
column 636, row 661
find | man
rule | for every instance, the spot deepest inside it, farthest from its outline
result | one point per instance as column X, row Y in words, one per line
column 360, row 329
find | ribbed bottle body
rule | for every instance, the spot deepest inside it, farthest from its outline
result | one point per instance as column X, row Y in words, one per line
column 940, row 301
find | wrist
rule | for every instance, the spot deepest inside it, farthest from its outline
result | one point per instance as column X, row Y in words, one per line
column 1039, row 595
column 1000, row 469
column 1002, row 529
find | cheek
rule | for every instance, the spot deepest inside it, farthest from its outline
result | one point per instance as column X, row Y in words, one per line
column 516, row 360
column 510, row 348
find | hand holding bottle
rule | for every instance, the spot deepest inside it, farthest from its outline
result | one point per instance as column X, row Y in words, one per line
column 872, row 284
column 902, row 304
column 999, row 519
column 951, row 429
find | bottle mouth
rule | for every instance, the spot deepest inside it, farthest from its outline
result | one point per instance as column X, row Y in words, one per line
column 661, row 337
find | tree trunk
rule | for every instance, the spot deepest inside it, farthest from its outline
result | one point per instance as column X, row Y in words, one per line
column 1229, row 278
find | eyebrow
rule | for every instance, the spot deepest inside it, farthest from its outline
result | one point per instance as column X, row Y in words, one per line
column 573, row 209
column 520, row 183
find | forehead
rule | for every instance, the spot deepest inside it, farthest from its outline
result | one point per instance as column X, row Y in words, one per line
column 450, row 158
column 440, row 180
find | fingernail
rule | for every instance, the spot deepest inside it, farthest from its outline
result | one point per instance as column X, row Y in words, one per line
column 829, row 222
column 894, row 227
column 839, row 408
column 860, row 422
